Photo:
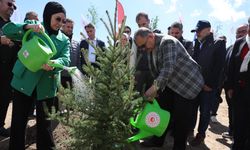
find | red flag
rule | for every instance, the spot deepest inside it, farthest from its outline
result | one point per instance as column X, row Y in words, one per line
column 120, row 12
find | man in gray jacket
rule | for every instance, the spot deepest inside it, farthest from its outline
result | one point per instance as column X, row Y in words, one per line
column 177, row 81
column 67, row 29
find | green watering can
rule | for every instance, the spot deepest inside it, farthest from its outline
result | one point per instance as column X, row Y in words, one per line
column 151, row 121
column 35, row 52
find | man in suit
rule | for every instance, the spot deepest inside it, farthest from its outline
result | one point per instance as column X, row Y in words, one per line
column 241, row 31
column 239, row 91
column 90, row 30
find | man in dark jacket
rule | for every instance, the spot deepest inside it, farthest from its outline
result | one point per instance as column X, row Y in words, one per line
column 210, row 55
column 67, row 29
column 8, row 56
column 176, row 30
column 241, row 31
column 239, row 91
column 90, row 30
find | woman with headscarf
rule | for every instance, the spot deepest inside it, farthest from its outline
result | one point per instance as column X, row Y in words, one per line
column 37, row 87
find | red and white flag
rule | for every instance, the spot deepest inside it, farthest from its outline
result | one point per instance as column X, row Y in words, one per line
column 120, row 12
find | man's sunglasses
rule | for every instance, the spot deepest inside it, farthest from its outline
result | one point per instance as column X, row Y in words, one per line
column 11, row 5
column 143, row 46
column 59, row 19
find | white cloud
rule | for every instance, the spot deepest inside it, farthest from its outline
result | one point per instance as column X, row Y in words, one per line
column 196, row 13
column 158, row 2
column 172, row 7
column 223, row 10
column 238, row 3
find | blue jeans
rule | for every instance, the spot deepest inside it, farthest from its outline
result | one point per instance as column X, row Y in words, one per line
column 204, row 101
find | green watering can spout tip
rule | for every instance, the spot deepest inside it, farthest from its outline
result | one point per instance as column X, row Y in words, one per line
column 142, row 134
column 71, row 70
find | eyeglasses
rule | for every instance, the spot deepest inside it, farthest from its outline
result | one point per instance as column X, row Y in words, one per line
column 59, row 19
column 143, row 46
column 127, row 31
column 11, row 5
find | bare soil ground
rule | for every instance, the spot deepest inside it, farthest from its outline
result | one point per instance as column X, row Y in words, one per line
column 213, row 141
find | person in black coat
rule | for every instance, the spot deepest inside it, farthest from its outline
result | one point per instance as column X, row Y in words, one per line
column 8, row 56
column 176, row 30
column 210, row 55
column 239, row 91
column 241, row 31
column 90, row 30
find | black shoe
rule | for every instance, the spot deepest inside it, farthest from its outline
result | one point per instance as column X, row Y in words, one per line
column 198, row 140
column 191, row 133
column 227, row 135
column 153, row 142
column 4, row 132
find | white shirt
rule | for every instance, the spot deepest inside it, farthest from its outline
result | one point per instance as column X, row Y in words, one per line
column 91, row 54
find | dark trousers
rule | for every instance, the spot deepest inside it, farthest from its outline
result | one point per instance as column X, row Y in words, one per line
column 204, row 102
column 230, row 112
column 6, row 92
column 241, row 119
column 180, row 110
column 216, row 102
column 66, row 81
column 22, row 104
column 4, row 104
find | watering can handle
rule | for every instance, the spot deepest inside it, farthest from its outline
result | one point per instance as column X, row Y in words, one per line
column 52, row 45
column 155, row 103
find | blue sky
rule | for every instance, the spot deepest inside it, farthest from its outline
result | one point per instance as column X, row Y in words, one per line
column 224, row 15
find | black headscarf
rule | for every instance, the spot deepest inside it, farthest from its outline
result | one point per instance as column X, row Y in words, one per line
column 50, row 9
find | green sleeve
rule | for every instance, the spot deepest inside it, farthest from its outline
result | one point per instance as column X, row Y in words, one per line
column 15, row 31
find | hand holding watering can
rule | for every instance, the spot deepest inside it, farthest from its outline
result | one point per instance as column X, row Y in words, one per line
column 47, row 67
column 35, row 27
column 151, row 93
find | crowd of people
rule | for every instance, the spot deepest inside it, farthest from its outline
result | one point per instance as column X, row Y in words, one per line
column 184, row 76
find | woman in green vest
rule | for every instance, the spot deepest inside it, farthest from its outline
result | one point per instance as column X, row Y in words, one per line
column 37, row 87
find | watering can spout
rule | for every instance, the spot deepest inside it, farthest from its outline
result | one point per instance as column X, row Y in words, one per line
column 142, row 134
column 71, row 70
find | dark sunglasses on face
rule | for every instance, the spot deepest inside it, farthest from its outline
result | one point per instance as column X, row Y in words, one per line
column 11, row 5
column 142, row 47
column 59, row 19
column 127, row 31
